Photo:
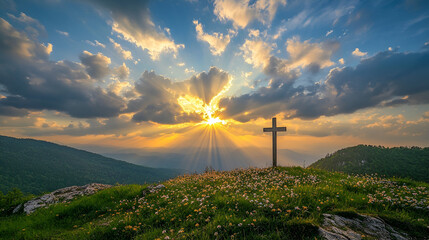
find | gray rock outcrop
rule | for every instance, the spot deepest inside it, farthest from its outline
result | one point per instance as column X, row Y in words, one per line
column 355, row 228
column 61, row 195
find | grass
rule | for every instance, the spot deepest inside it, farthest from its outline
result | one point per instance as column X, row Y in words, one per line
column 272, row 203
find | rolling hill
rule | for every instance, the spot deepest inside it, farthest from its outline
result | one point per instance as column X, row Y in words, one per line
column 270, row 203
column 36, row 166
column 405, row 162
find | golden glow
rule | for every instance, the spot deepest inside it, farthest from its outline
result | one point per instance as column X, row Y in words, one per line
column 209, row 112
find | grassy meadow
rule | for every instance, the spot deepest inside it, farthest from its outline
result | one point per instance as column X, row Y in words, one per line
column 271, row 203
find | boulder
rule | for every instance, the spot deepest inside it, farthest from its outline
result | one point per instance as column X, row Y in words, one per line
column 337, row 227
column 61, row 195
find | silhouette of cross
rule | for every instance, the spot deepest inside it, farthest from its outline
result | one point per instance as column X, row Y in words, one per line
column 275, row 129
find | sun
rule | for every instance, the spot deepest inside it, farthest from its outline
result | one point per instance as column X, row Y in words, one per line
column 209, row 112
column 211, row 121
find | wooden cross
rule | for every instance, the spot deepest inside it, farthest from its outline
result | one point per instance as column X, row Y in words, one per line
column 275, row 129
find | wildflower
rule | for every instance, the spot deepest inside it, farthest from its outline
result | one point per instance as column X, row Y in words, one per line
column 215, row 233
column 219, row 226
column 196, row 224
column 167, row 237
column 240, row 224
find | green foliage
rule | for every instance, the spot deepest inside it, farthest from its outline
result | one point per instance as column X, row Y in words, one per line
column 38, row 166
column 273, row 203
column 402, row 162
column 12, row 199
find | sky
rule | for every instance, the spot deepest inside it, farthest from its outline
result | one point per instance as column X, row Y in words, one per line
column 200, row 79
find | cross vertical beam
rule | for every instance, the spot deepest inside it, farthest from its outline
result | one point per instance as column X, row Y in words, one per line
column 274, row 129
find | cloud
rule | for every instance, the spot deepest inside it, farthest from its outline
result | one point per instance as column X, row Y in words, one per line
column 386, row 79
column 329, row 32
column 96, row 65
column 207, row 85
column 122, row 72
column 63, row 33
column 133, row 23
column 217, row 41
column 256, row 53
column 254, row 33
column 301, row 55
column 241, row 13
column 341, row 61
column 158, row 96
column 96, row 43
column 33, row 26
column 158, row 101
column 30, row 81
column 358, row 53
column 304, row 54
column 124, row 53
column 280, row 32
column 17, row 44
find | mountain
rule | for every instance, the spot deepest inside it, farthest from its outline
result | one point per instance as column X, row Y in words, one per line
column 269, row 203
column 37, row 166
column 405, row 162
column 227, row 158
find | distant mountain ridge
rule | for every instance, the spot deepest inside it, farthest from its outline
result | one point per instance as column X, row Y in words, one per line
column 405, row 162
column 36, row 166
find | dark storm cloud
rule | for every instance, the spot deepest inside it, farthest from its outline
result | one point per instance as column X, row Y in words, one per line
column 31, row 82
column 388, row 78
column 97, row 65
column 12, row 112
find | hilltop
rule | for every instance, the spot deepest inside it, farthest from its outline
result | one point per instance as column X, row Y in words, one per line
column 271, row 203
column 36, row 166
column 405, row 162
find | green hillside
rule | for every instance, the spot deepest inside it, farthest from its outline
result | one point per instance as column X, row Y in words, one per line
column 38, row 166
column 405, row 162
column 273, row 203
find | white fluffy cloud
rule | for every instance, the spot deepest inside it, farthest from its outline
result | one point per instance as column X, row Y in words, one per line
column 124, row 53
column 241, row 12
column 133, row 23
column 257, row 53
column 301, row 55
column 358, row 53
column 217, row 41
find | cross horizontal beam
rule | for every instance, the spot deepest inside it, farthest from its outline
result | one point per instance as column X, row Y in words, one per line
column 277, row 129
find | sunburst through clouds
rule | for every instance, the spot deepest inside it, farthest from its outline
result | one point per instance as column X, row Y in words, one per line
column 212, row 141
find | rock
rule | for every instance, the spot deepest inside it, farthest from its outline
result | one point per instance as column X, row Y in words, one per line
column 17, row 209
column 336, row 227
column 62, row 195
